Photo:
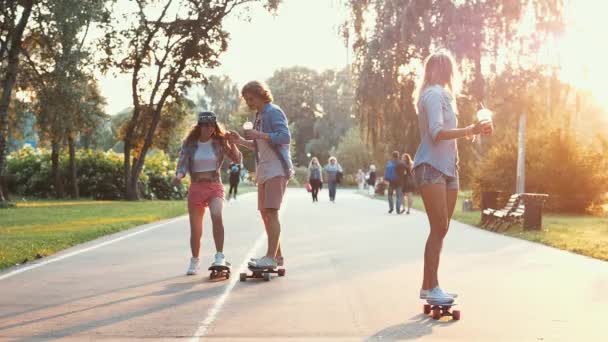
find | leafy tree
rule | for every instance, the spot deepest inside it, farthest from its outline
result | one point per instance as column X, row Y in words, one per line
column 222, row 96
column 67, row 98
column 14, row 16
column 318, row 105
column 389, row 52
column 167, row 46
column 352, row 152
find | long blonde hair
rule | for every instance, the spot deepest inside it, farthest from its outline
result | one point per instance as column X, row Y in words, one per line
column 259, row 89
column 310, row 165
column 439, row 69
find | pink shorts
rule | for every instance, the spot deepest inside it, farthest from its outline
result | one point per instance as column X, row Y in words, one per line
column 200, row 193
column 270, row 193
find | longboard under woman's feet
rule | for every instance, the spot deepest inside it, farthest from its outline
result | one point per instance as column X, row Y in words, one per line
column 219, row 271
column 264, row 273
column 440, row 310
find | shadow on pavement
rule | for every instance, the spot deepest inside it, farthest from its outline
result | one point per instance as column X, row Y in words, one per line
column 182, row 292
column 417, row 326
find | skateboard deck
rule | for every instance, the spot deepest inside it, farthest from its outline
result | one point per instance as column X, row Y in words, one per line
column 441, row 309
column 220, row 271
column 262, row 272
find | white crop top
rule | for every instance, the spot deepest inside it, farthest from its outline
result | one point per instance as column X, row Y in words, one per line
column 204, row 157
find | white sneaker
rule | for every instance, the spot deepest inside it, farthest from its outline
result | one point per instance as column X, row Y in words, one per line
column 424, row 294
column 280, row 260
column 194, row 266
column 220, row 260
column 264, row 262
column 438, row 296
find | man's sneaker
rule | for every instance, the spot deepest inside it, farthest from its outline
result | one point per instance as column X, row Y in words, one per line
column 425, row 293
column 264, row 262
column 280, row 260
column 436, row 294
column 194, row 266
column 390, row 211
column 219, row 259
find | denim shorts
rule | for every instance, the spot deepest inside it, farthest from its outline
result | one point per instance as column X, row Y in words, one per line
column 426, row 174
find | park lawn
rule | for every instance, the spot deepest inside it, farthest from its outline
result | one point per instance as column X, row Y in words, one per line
column 38, row 228
column 586, row 235
column 32, row 230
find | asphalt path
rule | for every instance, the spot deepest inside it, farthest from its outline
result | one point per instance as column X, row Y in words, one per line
column 353, row 272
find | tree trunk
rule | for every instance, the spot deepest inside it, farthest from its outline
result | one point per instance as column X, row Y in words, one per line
column 55, row 172
column 73, row 171
column 8, row 84
column 130, row 189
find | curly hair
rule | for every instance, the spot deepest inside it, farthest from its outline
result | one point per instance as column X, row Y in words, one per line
column 257, row 89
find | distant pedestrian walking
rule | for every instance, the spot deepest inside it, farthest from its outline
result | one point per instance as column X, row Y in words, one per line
column 315, row 178
column 334, row 175
column 393, row 174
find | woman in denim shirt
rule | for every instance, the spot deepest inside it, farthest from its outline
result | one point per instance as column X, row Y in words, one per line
column 436, row 162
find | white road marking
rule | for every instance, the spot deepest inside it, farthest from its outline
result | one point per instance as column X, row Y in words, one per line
column 84, row 250
column 219, row 303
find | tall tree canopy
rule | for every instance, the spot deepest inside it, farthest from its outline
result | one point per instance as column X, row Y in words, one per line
column 166, row 47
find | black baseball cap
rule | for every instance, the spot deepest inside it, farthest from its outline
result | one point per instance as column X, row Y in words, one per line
column 206, row 117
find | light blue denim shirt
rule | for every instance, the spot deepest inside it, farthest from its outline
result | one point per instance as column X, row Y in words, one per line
column 273, row 121
column 435, row 113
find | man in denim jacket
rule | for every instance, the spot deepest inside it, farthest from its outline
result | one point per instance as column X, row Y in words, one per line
column 270, row 140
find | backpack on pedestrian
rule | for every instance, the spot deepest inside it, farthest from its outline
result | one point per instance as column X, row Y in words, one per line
column 390, row 173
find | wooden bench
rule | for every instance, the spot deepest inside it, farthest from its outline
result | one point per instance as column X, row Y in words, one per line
column 510, row 218
column 490, row 217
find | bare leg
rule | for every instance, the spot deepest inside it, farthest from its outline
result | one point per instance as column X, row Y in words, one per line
column 435, row 203
column 451, row 197
column 273, row 229
column 266, row 226
column 196, row 229
column 215, row 208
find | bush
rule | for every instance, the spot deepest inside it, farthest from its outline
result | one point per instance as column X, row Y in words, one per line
column 301, row 176
column 100, row 174
column 159, row 171
column 573, row 175
column 30, row 171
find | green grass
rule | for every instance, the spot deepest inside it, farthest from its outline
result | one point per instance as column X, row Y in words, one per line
column 586, row 235
column 40, row 228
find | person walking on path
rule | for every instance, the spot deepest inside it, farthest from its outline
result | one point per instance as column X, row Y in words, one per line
column 361, row 180
column 270, row 139
column 409, row 185
column 436, row 161
column 235, row 178
column 201, row 156
column 334, row 174
column 315, row 178
column 393, row 174
column 371, row 180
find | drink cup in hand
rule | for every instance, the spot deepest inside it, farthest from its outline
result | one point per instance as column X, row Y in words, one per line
column 247, row 128
column 485, row 114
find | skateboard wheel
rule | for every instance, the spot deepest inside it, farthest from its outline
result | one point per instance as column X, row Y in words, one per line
column 243, row 276
column 267, row 276
column 228, row 275
column 436, row 313
column 456, row 315
column 427, row 309
column 281, row 272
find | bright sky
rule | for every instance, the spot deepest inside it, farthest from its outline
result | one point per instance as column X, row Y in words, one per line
column 305, row 32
